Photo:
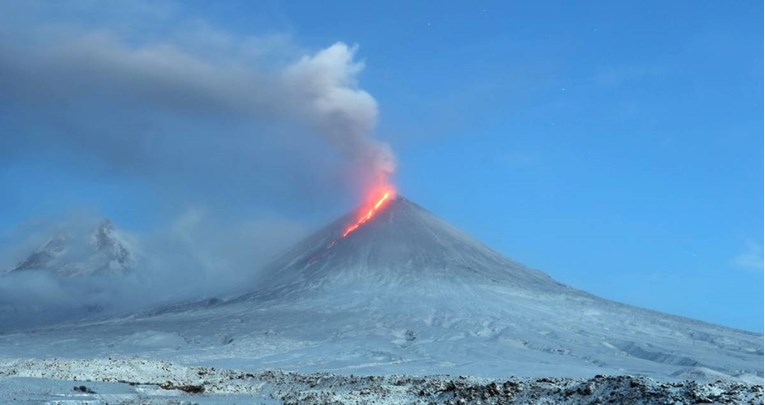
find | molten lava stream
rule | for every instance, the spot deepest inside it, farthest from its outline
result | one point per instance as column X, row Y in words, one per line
column 387, row 195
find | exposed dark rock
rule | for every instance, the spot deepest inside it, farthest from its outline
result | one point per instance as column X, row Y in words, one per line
column 191, row 389
column 83, row 389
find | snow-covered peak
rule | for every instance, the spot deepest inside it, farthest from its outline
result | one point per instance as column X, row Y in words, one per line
column 110, row 244
column 46, row 255
column 403, row 245
column 104, row 252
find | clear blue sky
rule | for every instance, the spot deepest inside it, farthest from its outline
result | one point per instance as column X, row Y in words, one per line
column 616, row 146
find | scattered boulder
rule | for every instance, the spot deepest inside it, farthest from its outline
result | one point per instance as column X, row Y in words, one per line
column 83, row 389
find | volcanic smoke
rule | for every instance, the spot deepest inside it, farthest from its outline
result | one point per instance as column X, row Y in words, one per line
column 346, row 116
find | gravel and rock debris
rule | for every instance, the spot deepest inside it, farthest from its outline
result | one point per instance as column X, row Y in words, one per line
column 151, row 381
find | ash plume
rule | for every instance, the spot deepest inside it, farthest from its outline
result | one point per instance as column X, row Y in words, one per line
column 344, row 113
column 262, row 102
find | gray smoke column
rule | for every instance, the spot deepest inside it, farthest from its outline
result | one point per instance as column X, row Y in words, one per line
column 342, row 112
column 76, row 75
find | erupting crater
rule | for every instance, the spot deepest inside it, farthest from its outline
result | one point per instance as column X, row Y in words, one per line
column 368, row 210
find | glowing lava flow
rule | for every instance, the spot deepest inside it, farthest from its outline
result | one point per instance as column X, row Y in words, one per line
column 371, row 213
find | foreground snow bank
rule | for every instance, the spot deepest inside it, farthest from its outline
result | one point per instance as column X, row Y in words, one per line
column 137, row 380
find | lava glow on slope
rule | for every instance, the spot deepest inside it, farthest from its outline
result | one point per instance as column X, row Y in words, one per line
column 369, row 210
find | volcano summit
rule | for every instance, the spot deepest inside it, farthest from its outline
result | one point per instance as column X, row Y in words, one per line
column 408, row 293
column 402, row 247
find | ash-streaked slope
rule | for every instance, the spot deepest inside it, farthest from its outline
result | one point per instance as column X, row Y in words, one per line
column 408, row 293
column 403, row 246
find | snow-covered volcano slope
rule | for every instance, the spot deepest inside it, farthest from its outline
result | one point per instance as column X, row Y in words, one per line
column 408, row 293
column 403, row 246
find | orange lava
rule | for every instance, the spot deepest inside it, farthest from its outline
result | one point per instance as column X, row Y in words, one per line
column 370, row 212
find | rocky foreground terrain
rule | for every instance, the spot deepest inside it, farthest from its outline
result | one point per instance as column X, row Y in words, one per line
column 141, row 381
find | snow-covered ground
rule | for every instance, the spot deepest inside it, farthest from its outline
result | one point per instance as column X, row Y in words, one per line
column 404, row 294
column 133, row 381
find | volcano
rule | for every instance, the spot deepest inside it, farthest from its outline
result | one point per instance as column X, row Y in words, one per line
column 402, row 247
column 409, row 290
column 406, row 292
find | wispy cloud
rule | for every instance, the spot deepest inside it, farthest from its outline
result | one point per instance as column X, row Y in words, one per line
column 751, row 259
column 197, row 256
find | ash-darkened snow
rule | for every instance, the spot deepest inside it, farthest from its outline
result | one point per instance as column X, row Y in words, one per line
column 408, row 293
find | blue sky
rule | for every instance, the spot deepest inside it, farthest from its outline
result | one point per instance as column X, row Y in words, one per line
column 617, row 147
